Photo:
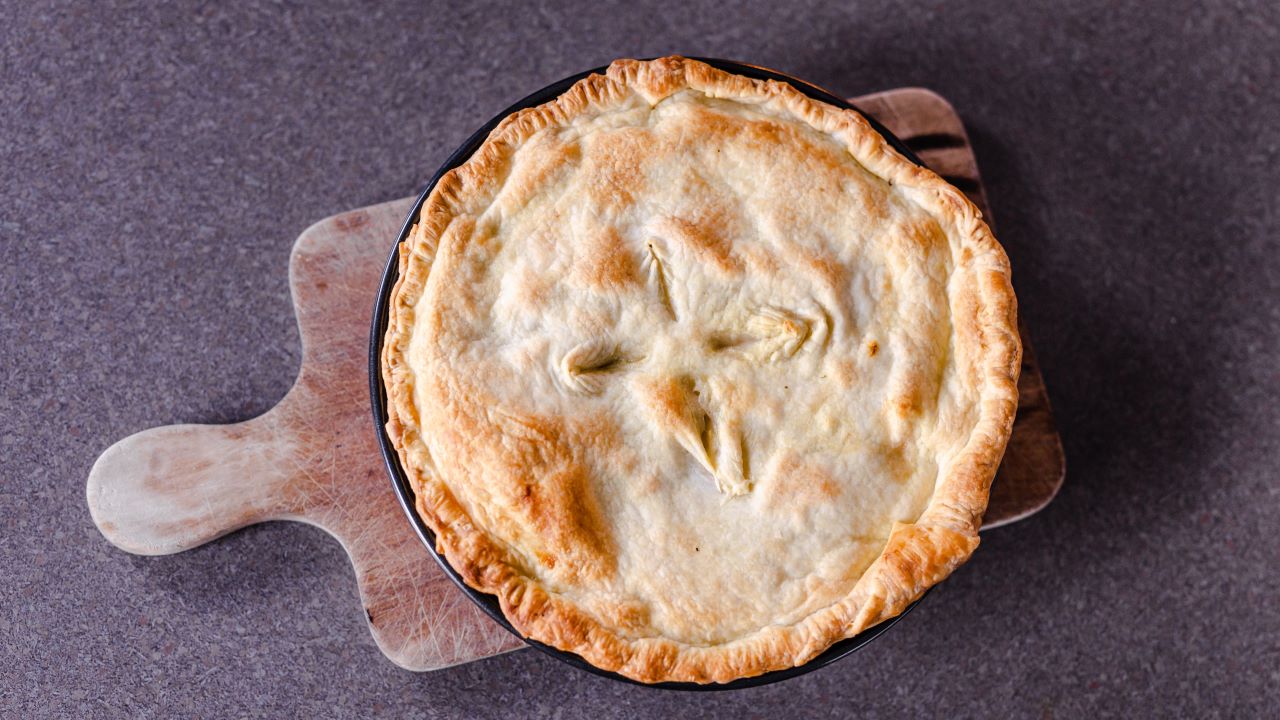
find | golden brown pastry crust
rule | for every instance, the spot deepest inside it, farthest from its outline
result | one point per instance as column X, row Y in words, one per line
column 916, row 555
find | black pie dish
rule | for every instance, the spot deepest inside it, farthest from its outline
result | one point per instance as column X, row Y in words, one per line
column 404, row 492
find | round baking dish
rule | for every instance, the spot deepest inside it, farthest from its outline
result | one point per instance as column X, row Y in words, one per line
column 404, row 493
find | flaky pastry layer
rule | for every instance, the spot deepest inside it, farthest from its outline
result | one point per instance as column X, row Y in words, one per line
column 698, row 375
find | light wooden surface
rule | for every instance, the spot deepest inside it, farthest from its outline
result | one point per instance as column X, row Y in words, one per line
column 314, row 458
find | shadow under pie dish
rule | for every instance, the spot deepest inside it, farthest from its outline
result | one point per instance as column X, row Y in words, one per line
column 696, row 374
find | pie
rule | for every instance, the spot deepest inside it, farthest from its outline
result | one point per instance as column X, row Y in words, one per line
column 697, row 374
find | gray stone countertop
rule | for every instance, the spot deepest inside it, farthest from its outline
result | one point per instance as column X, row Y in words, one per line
column 157, row 161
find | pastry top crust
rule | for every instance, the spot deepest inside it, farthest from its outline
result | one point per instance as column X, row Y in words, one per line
column 698, row 375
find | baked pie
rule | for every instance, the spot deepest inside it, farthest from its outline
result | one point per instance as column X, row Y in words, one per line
column 698, row 375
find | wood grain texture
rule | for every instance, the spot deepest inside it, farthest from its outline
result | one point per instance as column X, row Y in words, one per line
column 314, row 458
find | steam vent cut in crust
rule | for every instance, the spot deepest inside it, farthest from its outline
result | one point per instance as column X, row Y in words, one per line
column 697, row 375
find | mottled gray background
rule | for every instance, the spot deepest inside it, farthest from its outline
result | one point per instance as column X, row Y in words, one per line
column 156, row 163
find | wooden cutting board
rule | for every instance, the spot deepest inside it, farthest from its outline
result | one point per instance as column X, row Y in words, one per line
column 313, row 457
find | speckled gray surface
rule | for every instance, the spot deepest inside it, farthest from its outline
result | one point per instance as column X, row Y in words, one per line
column 156, row 163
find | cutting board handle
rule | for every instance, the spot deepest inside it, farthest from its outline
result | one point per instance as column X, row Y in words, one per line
column 169, row 489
